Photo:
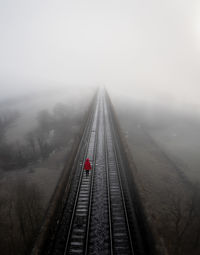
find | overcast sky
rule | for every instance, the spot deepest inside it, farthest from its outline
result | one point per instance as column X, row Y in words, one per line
column 145, row 47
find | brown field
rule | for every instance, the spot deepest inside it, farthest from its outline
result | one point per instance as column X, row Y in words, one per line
column 164, row 148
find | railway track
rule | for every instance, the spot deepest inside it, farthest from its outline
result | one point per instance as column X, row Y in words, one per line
column 96, row 218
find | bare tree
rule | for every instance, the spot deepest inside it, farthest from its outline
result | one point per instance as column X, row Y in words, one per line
column 21, row 213
column 31, row 141
column 181, row 223
column 28, row 209
column 44, row 121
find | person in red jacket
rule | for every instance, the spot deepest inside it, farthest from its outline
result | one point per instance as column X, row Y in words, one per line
column 87, row 165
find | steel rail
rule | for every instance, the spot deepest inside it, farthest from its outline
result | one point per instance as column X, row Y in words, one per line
column 79, row 186
column 119, row 178
column 98, row 230
column 91, row 190
column 135, row 233
column 108, row 182
column 85, row 136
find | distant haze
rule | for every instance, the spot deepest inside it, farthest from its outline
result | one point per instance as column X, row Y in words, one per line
column 145, row 48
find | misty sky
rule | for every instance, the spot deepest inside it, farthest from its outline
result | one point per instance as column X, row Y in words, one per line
column 146, row 47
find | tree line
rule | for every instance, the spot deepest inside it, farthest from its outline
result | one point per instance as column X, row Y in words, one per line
column 52, row 132
column 21, row 203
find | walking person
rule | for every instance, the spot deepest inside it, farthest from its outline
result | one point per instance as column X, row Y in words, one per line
column 87, row 165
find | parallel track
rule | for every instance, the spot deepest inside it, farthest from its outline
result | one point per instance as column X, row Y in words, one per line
column 98, row 222
column 78, row 230
column 121, row 237
column 58, row 239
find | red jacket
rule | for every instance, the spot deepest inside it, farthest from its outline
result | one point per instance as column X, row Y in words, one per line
column 87, row 165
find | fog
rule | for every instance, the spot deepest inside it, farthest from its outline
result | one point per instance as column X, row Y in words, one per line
column 146, row 53
column 148, row 49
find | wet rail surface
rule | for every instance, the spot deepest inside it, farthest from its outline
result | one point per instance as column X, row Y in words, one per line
column 96, row 216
